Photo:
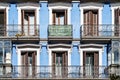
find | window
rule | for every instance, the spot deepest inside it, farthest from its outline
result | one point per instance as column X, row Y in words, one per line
column 59, row 17
column 90, row 22
column 28, row 22
column 2, row 22
column 5, row 51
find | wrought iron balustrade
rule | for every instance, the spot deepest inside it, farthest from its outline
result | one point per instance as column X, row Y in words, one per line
column 57, row 72
column 13, row 30
column 60, row 30
column 100, row 31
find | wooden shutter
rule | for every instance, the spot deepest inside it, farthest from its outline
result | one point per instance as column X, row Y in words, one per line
column 96, row 64
column 33, row 63
column 35, row 23
column 26, row 64
column 84, row 62
column 90, row 23
column 65, row 18
column 53, row 63
column 54, row 18
column 22, row 21
column 5, row 22
column 117, row 22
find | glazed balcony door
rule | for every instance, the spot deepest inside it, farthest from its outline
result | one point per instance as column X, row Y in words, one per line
column 59, row 63
column 28, row 22
column 90, row 23
column 91, row 64
column 28, row 63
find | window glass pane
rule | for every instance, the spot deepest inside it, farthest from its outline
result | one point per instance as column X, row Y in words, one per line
column 116, row 56
column 1, row 55
column 1, row 43
column 6, row 43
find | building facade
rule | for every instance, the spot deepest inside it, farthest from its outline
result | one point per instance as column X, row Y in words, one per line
column 67, row 39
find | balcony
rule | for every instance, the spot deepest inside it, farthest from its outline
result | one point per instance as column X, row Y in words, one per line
column 60, row 32
column 99, row 32
column 19, row 31
column 58, row 72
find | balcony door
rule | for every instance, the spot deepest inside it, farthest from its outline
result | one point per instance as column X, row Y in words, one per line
column 90, row 27
column 2, row 22
column 59, row 64
column 91, row 64
column 28, row 22
column 28, row 63
column 117, row 22
column 59, row 17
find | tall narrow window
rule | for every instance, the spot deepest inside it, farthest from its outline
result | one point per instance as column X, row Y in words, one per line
column 90, row 22
column 2, row 22
column 28, row 22
column 59, row 63
column 59, row 17
column 117, row 22
column 28, row 62
column 90, row 63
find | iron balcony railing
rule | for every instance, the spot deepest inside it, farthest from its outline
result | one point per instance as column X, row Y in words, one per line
column 13, row 30
column 107, row 31
column 60, row 31
column 55, row 72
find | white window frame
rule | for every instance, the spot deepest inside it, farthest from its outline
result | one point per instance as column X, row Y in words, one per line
column 88, row 6
column 91, row 7
column 19, row 50
column 51, row 8
column 26, row 7
column 50, row 50
column 88, row 49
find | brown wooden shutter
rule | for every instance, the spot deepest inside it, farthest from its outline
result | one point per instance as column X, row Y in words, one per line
column 84, row 62
column 117, row 21
column 53, row 63
column 5, row 22
column 33, row 63
column 22, row 21
column 65, row 18
column 35, row 22
column 96, row 64
column 54, row 17
column 26, row 64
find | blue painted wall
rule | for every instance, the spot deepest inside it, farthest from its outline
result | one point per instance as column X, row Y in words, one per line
column 14, row 55
column 44, row 19
column 106, row 14
column 104, row 56
column 106, row 19
column 75, row 19
column 44, row 58
column 12, row 19
column 13, row 14
column 75, row 55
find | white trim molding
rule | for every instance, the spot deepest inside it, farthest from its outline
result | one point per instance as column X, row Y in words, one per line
column 91, row 47
column 28, row 47
column 28, row 6
column 91, row 6
column 59, row 6
column 59, row 47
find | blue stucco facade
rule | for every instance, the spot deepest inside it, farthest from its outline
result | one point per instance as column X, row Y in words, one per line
column 85, row 46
